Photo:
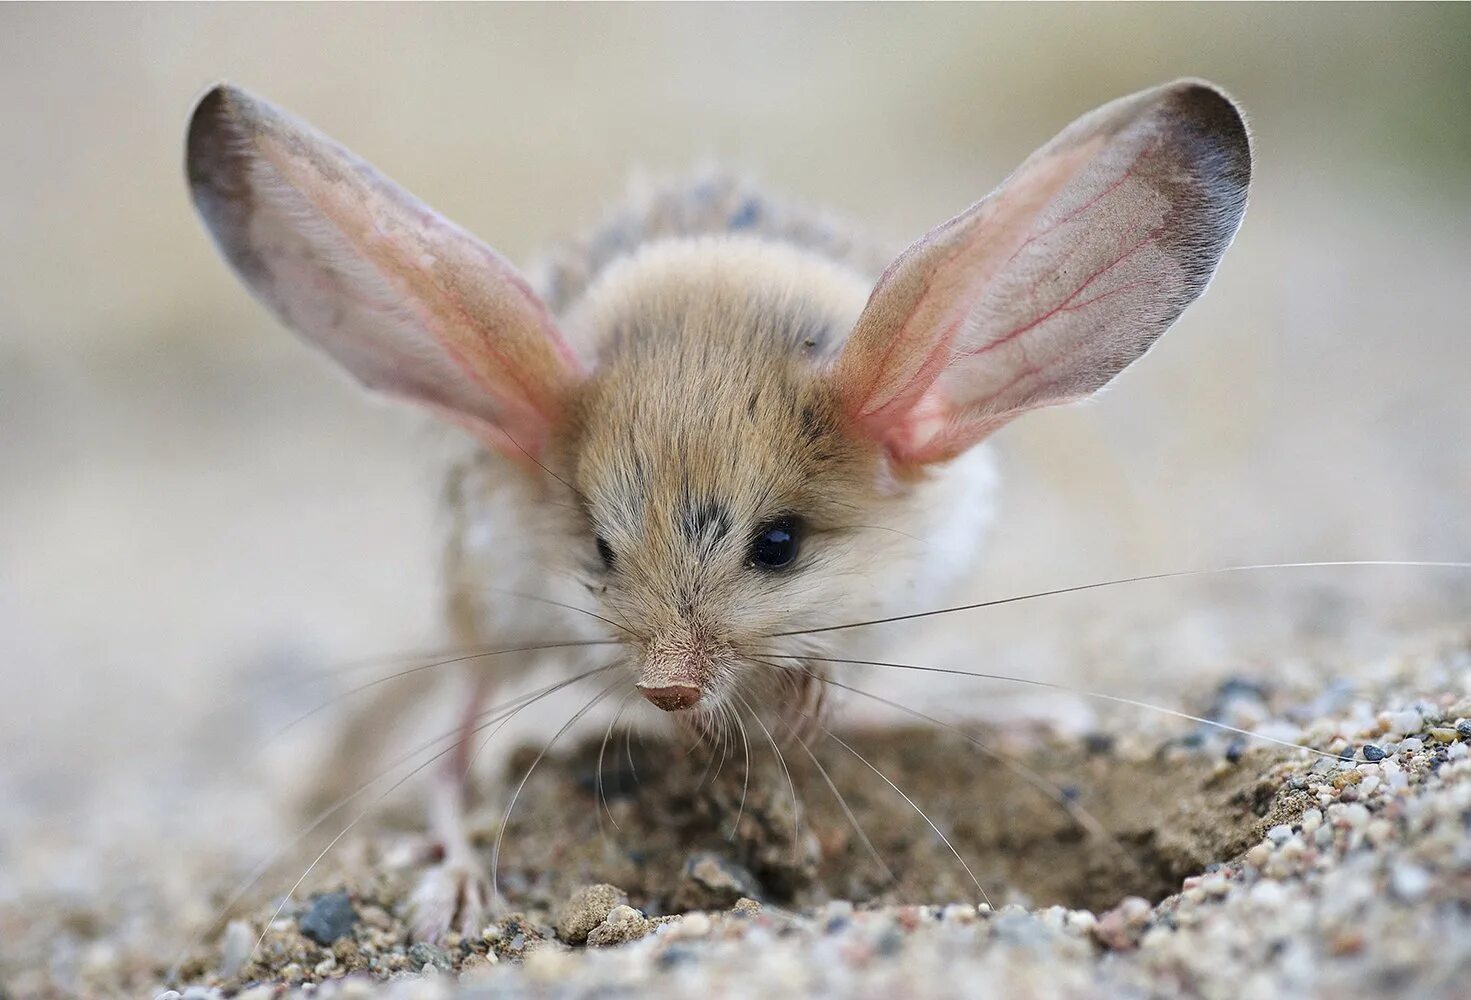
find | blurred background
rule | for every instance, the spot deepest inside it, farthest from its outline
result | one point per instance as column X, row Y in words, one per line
column 191, row 502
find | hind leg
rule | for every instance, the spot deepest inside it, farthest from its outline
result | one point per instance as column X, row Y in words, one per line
column 455, row 894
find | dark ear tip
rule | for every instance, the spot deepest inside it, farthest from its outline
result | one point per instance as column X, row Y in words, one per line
column 1216, row 118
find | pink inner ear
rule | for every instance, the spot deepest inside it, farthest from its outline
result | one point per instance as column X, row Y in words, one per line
column 906, row 338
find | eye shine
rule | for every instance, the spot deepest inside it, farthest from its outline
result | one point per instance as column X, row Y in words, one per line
column 776, row 543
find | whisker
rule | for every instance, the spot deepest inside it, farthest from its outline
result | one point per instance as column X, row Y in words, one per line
column 1175, row 575
column 495, row 854
column 363, row 814
column 602, row 794
column 1051, row 685
column 791, row 785
column 843, row 804
column 923, row 815
column 745, row 776
column 274, row 858
column 725, row 727
column 1049, row 789
column 628, row 752
column 570, row 644
column 558, row 604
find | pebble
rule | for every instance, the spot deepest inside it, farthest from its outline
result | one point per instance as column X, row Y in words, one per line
column 236, row 944
column 712, row 882
column 330, row 917
column 1405, row 721
column 1411, row 744
column 1373, row 752
column 1279, row 833
column 624, row 924
column 1443, row 735
column 588, row 907
column 1409, row 881
column 423, row 956
column 1463, row 728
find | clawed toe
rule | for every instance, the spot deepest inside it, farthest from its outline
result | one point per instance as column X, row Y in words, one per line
column 450, row 896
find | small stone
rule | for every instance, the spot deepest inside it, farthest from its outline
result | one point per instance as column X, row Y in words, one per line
column 1405, row 721
column 1463, row 728
column 959, row 913
column 1411, row 744
column 1373, row 752
column 1215, row 884
column 1457, row 751
column 1268, row 893
column 748, row 907
column 1355, row 815
column 711, row 882
column 1259, row 855
column 236, row 944
column 1311, row 820
column 1279, row 833
column 424, row 956
column 1409, row 881
column 330, row 917
column 1081, row 921
column 694, row 925
column 1441, row 734
column 624, row 924
column 585, row 909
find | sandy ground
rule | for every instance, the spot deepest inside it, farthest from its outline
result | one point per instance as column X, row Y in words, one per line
column 200, row 524
column 1135, row 857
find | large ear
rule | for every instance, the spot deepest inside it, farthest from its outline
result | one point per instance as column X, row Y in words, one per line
column 407, row 301
column 1048, row 288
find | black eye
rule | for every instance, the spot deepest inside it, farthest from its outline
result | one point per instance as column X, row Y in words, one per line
column 775, row 544
column 605, row 552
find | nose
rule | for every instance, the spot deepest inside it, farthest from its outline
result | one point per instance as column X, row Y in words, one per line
column 674, row 698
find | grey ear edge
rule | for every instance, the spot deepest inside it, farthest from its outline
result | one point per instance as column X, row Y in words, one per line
column 1214, row 132
column 216, row 170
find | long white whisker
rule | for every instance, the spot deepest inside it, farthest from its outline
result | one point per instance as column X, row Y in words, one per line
column 1118, row 699
column 388, row 791
column 495, row 854
column 558, row 604
column 791, row 785
column 745, row 777
column 1041, row 783
column 271, row 860
column 602, row 795
column 430, row 666
column 1175, row 575
column 912, row 805
column 843, row 804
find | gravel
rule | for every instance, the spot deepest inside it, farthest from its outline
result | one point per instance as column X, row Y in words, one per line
column 1286, row 874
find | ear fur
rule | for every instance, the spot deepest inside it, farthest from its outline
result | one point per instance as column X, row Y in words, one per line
column 1045, row 290
column 408, row 302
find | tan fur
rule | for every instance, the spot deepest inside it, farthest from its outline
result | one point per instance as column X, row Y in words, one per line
column 710, row 362
column 709, row 413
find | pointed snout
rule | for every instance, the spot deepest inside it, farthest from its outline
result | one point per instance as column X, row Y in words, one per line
column 672, row 697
